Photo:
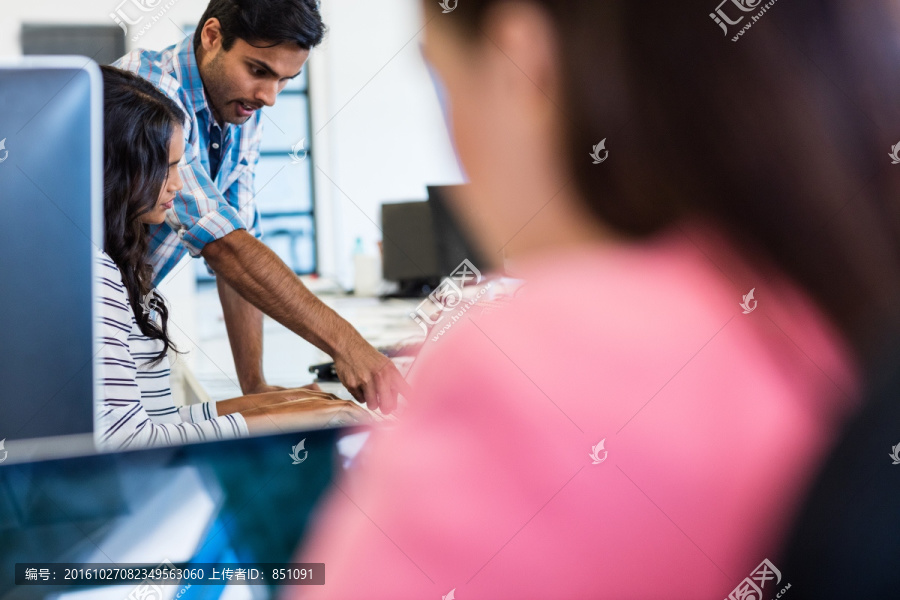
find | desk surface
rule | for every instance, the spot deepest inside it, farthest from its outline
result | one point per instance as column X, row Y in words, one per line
column 286, row 356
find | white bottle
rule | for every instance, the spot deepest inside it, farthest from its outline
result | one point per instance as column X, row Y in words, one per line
column 366, row 271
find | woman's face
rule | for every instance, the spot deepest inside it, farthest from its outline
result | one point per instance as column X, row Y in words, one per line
column 172, row 184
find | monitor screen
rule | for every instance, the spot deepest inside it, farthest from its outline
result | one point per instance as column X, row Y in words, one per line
column 409, row 247
column 245, row 501
column 51, row 191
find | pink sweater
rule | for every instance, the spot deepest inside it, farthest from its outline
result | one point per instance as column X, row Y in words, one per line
column 713, row 422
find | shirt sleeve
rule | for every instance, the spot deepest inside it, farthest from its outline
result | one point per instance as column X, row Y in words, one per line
column 121, row 420
column 241, row 195
column 201, row 213
column 197, row 413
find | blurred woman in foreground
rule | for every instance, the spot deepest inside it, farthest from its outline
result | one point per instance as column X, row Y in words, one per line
column 758, row 165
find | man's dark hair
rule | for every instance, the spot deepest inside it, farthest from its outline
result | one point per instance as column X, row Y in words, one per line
column 265, row 22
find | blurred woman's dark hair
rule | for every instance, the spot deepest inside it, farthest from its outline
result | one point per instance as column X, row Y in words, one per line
column 781, row 137
column 138, row 123
column 265, row 22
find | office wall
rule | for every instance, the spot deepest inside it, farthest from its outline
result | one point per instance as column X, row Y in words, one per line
column 378, row 129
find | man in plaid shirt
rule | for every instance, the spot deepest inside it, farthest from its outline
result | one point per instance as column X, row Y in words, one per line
column 241, row 56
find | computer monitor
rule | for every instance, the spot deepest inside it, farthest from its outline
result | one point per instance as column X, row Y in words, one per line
column 237, row 501
column 410, row 251
column 51, row 197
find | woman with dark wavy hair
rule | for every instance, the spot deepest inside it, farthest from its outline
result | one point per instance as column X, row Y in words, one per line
column 143, row 144
column 708, row 229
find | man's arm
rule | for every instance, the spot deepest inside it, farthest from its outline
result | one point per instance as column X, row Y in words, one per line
column 257, row 274
column 244, row 323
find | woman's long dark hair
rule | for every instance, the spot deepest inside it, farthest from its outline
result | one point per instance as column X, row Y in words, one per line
column 781, row 137
column 139, row 121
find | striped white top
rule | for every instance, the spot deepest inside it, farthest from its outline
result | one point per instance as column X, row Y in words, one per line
column 135, row 408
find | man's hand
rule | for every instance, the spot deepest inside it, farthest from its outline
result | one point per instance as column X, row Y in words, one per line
column 371, row 377
column 261, row 278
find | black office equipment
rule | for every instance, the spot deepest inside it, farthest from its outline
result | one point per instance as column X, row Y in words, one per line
column 425, row 242
column 103, row 43
column 410, row 251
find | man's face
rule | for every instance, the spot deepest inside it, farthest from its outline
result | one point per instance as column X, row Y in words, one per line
column 245, row 78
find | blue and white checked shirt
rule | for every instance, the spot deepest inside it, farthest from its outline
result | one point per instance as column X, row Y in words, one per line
column 205, row 210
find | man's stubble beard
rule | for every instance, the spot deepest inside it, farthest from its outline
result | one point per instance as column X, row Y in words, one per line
column 214, row 82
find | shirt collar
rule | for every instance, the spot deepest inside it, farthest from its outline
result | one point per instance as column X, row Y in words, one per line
column 189, row 73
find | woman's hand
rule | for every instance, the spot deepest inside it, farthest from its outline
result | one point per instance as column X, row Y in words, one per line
column 312, row 412
column 251, row 401
column 265, row 388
